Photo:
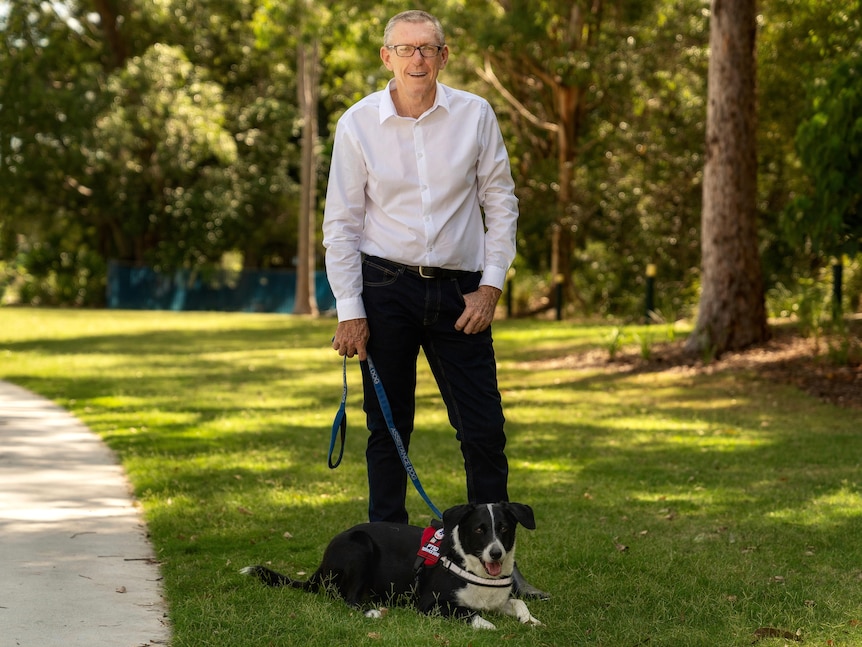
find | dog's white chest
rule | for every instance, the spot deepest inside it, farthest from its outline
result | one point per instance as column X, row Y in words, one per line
column 483, row 597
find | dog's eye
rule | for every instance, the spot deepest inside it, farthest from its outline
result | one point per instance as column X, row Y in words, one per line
column 504, row 529
column 479, row 531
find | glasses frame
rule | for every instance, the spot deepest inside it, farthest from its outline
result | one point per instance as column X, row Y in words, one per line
column 413, row 48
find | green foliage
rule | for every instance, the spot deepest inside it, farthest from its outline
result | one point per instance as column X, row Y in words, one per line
column 830, row 148
column 799, row 47
column 172, row 136
column 638, row 71
column 162, row 151
column 812, row 306
column 49, row 94
column 673, row 507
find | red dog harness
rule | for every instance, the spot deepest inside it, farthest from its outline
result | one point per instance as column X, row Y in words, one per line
column 428, row 555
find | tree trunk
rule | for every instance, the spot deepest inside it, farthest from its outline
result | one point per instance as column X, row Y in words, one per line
column 732, row 313
column 117, row 43
column 308, row 68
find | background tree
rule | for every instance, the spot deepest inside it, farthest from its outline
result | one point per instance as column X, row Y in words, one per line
column 829, row 218
column 601, row 102
column 732, row 313
column 800, row 44
column 308, row 93
column 625, row 79
column 162, row 151
column 830, row 148
column 543, row 60
column 50, row 92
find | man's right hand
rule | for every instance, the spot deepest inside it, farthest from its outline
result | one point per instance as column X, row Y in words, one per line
column 351, row 338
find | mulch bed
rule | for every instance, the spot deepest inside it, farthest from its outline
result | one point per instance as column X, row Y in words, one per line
column 828, row 369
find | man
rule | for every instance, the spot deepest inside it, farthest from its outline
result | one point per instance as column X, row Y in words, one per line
column 413, row 263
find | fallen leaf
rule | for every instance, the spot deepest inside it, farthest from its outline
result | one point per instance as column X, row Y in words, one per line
column 374, row 635
column 243, row 510
column 620, row 547
column 772, row 632
column 122, row 589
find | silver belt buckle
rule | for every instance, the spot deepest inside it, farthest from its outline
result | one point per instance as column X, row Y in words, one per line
column 422, row 273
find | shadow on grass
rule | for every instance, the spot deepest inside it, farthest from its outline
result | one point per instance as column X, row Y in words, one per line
column 659, row 498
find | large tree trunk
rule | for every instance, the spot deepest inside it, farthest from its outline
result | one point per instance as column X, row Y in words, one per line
column 308, row 68
column 732, row 314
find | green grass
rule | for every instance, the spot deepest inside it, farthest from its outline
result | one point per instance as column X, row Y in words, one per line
column 672, row 508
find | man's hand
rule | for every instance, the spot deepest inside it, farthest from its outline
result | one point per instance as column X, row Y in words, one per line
column 351, row 338
column 479, row 310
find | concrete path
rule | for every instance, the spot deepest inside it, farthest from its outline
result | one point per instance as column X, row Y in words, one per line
column 75, row 565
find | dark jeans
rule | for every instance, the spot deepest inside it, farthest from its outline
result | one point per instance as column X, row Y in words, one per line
column 406, row 312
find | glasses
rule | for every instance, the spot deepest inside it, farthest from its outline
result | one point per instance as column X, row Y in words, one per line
column 425, row 51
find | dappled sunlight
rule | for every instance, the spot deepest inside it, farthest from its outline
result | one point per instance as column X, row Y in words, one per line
column 223, row 426
column 839, row 506
column 557, row 466
column 719, row 440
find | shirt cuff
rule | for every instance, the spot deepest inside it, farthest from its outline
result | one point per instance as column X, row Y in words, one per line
column 352, row 308
column 494, row 276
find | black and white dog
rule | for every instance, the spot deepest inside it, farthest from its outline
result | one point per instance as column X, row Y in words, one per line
column 459, row 571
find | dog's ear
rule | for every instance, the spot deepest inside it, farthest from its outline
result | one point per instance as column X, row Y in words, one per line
column 452, row 517
column 523, row 514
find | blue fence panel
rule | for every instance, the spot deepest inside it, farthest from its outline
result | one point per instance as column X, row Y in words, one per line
column 142, row 288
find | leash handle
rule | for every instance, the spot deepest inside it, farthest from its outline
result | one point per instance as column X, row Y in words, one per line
column 340, row 422
column 396, row 437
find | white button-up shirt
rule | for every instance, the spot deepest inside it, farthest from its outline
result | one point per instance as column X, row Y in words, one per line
column 414, row 191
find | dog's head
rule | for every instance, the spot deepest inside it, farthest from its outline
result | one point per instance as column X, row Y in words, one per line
column 483, row 535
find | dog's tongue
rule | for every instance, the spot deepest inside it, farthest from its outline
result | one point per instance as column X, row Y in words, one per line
column 493, row 568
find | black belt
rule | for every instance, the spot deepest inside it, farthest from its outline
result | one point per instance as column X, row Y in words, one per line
column 423, row 270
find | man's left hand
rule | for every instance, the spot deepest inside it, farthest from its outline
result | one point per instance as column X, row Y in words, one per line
column 479, row 310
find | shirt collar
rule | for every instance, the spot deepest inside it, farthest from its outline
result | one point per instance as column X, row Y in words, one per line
column 387, row 106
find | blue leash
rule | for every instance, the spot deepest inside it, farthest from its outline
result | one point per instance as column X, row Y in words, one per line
column 340, row 422
column 340, row 425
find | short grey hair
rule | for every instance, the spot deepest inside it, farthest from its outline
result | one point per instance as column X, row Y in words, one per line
column 414, row 16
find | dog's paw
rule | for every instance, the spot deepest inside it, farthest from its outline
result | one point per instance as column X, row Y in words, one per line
column 478, row 622
column 518, row 609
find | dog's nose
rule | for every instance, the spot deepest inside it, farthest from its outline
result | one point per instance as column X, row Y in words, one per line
column 496, row 553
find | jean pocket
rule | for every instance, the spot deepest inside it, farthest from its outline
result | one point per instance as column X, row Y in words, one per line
column 467, row 284
column 378, row 275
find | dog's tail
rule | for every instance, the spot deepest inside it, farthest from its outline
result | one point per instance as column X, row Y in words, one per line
column 271, row 578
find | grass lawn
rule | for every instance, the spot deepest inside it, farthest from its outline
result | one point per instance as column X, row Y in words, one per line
column 673, row 508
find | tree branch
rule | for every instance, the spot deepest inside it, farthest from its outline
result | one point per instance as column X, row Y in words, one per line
column 487, row 74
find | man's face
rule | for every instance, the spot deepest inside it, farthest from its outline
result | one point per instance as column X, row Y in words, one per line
column 414, row 75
